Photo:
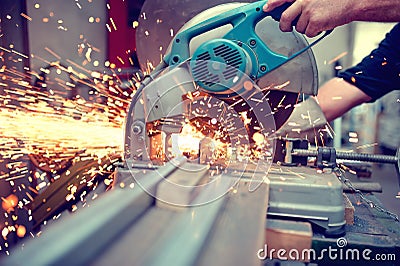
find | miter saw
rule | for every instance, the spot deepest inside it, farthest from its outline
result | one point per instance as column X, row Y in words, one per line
column 201, row 122
column 217, row 96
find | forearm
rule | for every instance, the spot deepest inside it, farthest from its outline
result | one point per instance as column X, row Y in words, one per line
column 379, row 11
column 337, row 96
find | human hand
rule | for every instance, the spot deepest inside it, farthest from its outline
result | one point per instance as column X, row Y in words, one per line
column 314, row 16
column 304, row 122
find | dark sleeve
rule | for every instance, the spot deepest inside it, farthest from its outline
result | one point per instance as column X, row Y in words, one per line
column 378, row 73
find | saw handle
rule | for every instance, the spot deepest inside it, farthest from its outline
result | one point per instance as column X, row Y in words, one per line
column 277, row 12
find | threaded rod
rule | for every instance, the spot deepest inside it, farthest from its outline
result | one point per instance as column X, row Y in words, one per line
column 365, row 157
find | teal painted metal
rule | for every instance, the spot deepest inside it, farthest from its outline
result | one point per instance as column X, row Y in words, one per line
column 243, row 19
column 218, row 65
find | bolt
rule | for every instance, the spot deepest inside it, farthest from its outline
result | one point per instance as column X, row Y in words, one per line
column 137, row 129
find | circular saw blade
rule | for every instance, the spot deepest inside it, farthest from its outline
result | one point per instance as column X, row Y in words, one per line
column 161, row 20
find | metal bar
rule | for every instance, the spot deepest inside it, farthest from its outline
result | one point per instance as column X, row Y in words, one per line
column 183, row 242
column 239, row 231
column 90, row 230
column 55, row 198
column 137, row 240
column 60, row 184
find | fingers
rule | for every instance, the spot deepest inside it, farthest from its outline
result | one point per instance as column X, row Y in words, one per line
column 302, row 23
column 311, row 33
column 272, row 4
column 290, row 15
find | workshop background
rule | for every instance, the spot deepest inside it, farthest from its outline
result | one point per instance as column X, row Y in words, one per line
column 40, row 37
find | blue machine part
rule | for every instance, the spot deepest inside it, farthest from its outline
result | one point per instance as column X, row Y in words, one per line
column 220, row 64
column 241, row 42
column 243, row 19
